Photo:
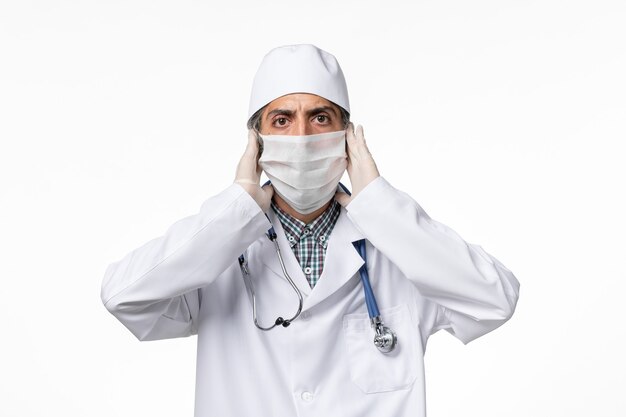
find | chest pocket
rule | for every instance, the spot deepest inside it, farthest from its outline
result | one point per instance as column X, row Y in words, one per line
column 373, row 371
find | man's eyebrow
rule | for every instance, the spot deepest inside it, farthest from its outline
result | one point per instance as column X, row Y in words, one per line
column 322, row 109
column 279, row 111
column 311, row 112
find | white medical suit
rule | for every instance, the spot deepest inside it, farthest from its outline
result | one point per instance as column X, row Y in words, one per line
column 424, row 276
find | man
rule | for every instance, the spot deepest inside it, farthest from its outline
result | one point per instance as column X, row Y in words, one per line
column 218, row 273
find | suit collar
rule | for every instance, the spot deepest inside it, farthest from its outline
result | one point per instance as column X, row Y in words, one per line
column 270, row 258
column 342, row 261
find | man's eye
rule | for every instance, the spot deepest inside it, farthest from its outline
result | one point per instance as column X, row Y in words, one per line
column 281, row 121
column 321, row 118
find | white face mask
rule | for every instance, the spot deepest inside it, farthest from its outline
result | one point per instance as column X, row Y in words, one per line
column 305, row 170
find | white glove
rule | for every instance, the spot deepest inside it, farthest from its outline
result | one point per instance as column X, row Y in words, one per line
column 361, row 166
column 249, row 171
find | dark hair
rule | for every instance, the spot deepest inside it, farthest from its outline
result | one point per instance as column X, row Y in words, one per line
column 254, row 122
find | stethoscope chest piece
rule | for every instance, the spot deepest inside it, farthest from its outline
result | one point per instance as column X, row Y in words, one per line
column 385, row 339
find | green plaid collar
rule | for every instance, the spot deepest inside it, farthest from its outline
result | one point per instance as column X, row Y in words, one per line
column 319, row 229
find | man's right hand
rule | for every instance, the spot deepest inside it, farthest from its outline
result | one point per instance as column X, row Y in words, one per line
column 249, row 174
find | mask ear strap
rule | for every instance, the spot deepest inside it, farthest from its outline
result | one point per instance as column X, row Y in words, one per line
column 259, row 140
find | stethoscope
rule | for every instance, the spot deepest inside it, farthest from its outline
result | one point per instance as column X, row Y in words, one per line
column 385, row 339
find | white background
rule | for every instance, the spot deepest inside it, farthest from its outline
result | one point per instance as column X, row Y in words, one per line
column 503, row 119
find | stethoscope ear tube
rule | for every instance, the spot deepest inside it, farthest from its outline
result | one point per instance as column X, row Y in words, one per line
column 280, row 321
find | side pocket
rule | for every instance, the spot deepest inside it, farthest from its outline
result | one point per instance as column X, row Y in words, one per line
column 373, row 371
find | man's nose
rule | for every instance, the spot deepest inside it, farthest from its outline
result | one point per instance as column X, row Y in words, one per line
column 303, row 128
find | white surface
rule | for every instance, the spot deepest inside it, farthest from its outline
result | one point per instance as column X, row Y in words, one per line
column 503, row 119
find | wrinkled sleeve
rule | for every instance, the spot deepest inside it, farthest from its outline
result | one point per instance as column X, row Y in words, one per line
column 473, row 291
column 154, row 290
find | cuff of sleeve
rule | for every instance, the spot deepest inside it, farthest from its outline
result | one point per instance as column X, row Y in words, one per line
column 375, row 194
column 236, row 201
column 247, row 204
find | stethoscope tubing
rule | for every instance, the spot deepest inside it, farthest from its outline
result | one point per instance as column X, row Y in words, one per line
column 385, row 339
column 280, row 321
column 370, row 300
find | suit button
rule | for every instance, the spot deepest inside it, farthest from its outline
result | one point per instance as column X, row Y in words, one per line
column 307, row 396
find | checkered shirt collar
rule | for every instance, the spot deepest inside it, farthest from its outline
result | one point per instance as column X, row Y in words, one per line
column 321, row 226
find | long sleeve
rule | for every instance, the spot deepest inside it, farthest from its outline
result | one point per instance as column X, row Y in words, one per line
column 153, row 290
column 474, row 291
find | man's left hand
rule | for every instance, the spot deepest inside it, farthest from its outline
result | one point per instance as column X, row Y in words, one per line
column 361, row 166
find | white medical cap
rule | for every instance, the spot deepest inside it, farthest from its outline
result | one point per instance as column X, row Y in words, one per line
column 298, row 69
